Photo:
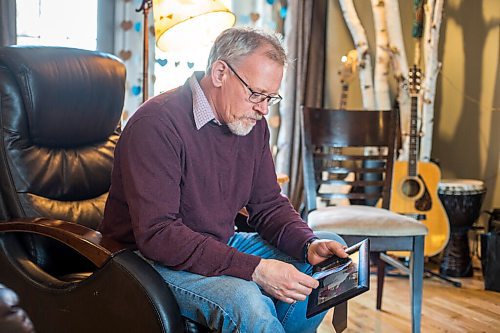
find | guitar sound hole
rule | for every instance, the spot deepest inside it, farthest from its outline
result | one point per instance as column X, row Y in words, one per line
column 410, row 187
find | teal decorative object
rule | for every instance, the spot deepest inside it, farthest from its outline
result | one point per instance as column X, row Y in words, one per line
column 162, row 62
column 136, row 90
column 283, row 12
column 137, row 26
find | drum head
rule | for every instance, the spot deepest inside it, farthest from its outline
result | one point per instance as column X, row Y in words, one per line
column 461, row 186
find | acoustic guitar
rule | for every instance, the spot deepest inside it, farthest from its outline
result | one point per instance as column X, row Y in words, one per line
column 415, row 184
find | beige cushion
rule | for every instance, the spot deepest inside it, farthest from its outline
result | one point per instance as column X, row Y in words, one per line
column 359, row 220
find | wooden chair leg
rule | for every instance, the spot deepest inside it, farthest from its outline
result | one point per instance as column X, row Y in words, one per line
column 416, row 282
column 339, row 320
column 380, row 280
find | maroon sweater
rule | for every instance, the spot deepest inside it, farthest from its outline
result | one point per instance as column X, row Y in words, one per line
column 176, row 190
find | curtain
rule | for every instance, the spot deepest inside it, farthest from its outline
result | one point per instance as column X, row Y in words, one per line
column 303, row 84
column 8, row 34
column 106, row 26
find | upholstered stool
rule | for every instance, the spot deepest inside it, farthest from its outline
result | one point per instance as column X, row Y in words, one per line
column 364, row 220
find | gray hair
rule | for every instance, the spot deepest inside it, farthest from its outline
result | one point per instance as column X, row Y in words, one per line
column 235, row 43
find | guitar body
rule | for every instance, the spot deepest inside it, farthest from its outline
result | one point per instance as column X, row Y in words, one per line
column 417, row 197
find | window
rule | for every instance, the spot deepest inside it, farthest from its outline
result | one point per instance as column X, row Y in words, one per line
column 71, row 23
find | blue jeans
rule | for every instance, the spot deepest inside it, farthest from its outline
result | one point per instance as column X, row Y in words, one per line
column 230, row 304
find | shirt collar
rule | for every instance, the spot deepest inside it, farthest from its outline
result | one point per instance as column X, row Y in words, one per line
column 202, row 111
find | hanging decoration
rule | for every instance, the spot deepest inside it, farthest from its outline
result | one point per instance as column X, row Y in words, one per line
column 254, row 17
column 137, row 26
column 283, row 12
column 125, row 54
column 126, row 25
column 128, row 43
column 136, row 90
column 162, row 62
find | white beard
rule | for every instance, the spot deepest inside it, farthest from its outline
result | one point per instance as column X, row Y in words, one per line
column 239, row 128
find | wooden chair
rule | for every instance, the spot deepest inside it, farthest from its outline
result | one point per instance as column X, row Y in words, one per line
column 338, row 145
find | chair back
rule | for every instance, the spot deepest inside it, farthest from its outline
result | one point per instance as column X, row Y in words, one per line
column 59, row 117
column 348, row 154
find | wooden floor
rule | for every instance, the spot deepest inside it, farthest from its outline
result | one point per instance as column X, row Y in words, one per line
column 445, row 308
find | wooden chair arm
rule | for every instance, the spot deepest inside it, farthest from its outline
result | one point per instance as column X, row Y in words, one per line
column 89, row 243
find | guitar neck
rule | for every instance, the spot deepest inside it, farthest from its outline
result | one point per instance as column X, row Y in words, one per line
column 412, row 158
column 343, row 96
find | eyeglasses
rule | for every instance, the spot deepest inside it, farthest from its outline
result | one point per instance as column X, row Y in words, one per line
column 257, row 97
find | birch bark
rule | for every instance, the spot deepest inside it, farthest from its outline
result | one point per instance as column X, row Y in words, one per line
column 364, row 60
column 399, row 64
column 381, row 76
column 433, row 16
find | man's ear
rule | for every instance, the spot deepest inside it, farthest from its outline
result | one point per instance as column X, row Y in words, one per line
column 218, row 73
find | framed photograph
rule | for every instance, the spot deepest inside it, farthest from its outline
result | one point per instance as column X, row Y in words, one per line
column 340, row 279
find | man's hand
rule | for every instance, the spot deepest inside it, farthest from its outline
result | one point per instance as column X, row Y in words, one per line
column 322, row 249
column 283, row 281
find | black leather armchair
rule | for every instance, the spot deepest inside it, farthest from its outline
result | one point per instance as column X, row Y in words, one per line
column 59, row 113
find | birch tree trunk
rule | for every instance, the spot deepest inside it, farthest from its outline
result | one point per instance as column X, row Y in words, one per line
column 433, row 17
column 364, row 60
column 381, row 76
column 399, row 64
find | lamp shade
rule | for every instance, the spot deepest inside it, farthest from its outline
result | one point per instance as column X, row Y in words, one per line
column 180, row 24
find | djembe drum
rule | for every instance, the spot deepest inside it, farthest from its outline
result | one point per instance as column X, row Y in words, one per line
column 462, row 200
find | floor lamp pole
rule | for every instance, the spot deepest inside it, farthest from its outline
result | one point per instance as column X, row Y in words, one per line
column 145, row 7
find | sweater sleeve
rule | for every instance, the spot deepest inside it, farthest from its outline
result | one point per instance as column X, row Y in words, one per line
column 151, row 167
column 271, row 213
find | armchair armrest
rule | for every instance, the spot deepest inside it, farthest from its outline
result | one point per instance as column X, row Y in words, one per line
column 89, row 243
column 149, row 305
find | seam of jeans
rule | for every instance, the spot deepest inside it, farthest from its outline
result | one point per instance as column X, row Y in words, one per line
column 208, row 301
column 287, row 314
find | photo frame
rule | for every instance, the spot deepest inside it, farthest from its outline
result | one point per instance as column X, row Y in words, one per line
column 340, row 279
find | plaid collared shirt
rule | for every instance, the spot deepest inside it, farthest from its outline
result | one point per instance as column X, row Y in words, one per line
column 202, row 111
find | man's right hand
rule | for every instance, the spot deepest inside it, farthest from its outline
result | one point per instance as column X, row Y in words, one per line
column 283, row 281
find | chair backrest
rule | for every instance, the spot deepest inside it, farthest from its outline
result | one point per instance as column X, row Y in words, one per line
column 59, row 118
column 339, row 144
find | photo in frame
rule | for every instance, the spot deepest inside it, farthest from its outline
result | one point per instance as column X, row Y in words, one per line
column 340, row 279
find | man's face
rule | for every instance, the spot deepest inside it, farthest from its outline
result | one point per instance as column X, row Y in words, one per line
column 263, row 76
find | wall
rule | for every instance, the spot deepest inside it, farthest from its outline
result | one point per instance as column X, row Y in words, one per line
column 466, row 137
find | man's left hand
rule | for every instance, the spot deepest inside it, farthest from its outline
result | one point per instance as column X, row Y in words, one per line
column 322, row 249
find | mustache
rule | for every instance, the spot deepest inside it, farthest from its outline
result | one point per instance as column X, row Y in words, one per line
column 256, row 116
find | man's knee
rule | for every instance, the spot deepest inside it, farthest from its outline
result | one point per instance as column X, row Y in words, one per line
column 249, row 309
column 247, row 296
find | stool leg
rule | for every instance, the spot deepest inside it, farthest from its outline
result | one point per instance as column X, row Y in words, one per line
column 416, row 282
column 380, row 280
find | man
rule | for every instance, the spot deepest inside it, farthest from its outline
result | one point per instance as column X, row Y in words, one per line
column 186, row 163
